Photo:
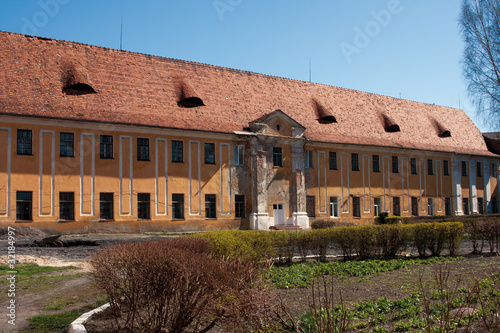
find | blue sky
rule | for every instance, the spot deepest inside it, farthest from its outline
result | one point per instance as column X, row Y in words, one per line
column 400, row 48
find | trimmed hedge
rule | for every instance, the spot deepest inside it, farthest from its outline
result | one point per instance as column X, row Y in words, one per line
column 369, row 241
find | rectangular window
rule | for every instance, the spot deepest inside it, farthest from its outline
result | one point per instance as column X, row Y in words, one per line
column 238, row 155
column 67, row 206
column 376, row 163
column 142, row 149
column 333, row 160
column 465, row 206
column 395, row 164
column 493, row 170
column 494, row 206
column 377, row 206
column 239, row 206
column 106, row 206
column 209, row 153
column 447, row 206
column 309, row 159
column 210, row 205
column 106, row 149
column 66, row 144
column 413, row 166
column 177, row 206
column 446, row 168
column 23, row 205
column 334, row 206
column 414, row 206
column 311, row 206
column 24, row 142
column 479, row 167
column 464, row 168
column 430, row 206
column 177, row 151
column 430, row 167
column 396, row 208
column 355, row 162
column 143, row 206
column 356, row 207
column 277, row 157
column 480, row 205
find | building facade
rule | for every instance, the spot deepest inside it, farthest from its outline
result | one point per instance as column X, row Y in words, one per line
column 94, row 139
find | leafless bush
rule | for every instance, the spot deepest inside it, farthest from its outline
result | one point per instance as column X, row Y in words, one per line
column 177, row 286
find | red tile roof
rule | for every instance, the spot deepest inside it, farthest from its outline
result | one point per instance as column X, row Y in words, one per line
column 139, row 89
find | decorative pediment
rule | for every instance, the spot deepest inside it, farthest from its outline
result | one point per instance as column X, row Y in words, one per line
column 277, row 123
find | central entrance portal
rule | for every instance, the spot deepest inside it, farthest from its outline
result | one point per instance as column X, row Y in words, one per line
column 279, row 214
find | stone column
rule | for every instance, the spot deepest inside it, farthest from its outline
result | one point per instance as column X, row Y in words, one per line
column 298, row 186
column 456, row 172
column 259, row 218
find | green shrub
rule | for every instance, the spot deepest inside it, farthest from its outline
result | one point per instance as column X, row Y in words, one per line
column 380, row 219
column 391, row 239
column 320, row 241
column 421, row 235
column 284, row 245
column 343, row 240
column 251, row 245
column 365, row 240
column 454, row 236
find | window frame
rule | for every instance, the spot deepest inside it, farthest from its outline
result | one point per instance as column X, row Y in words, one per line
column 480, row 205
column 309, row 159
column 479, row 169
column 24, row 199
column 395, row 164
column 396, row 206
column 239, row 206
column 209, row 151
column 332, row 159
column 143, row 149
column 277, row 157
column 334, row 207
column 26, row 142
column 67, row 206
column 430, row 167
column 376, row 163
column 466, row 204
column 414, row 206
column 464, row 168
column 106, row 206
column 177, row 151
column 354, row 161
column 413, row 166
column 239, row 155
column 430, row 207
column 144, row 206
column 311, row 205
column 178, row 206
column 106, row 149
column 446, row 168
column 211, row 206
column 69, row 145
column 356, row 207
column 377, row 208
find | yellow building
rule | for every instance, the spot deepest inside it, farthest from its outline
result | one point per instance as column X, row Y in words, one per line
column 95, row 139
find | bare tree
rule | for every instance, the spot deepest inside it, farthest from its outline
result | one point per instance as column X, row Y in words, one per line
column 480, row 24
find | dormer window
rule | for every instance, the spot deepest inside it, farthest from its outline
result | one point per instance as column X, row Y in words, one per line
column 188, row 98
column 79, row 89
column 278, row 127
column 76, row 81
column 390, row 125
column 442, row 132
column 324, row 116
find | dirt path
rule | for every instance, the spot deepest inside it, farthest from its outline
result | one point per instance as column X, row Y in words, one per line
column 29, row 304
